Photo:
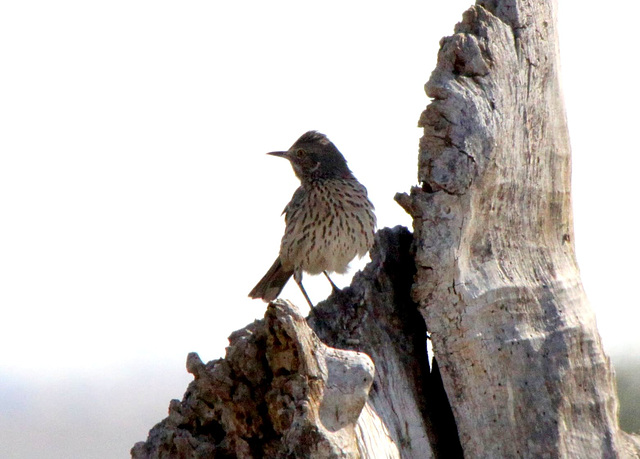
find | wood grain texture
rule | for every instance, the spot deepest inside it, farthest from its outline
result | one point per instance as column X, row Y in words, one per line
column 497, row 279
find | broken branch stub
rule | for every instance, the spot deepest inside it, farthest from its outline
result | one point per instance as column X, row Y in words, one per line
column 279, row 392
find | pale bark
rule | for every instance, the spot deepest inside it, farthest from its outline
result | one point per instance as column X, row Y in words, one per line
column 491, row 268
column 281, row 392
column 497, row 280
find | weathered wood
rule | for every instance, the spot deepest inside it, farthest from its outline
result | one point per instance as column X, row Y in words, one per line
column 520, row 369
column 281, row 392
column 406, row 415
column 497, row 280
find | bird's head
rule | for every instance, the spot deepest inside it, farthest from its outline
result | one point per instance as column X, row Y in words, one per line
column 314, row 157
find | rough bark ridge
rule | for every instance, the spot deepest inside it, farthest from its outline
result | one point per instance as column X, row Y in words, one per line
column 407, row 413
column 281, row 392
column 497, row 279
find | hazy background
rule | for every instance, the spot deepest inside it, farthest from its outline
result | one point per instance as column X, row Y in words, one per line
column 137, row 206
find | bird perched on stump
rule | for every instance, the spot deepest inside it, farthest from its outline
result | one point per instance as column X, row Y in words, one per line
column 329, row 219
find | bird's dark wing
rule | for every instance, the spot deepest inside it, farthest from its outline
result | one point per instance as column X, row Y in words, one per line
column 294, row 204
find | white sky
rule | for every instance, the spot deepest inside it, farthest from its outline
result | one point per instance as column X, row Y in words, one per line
column 137, row 205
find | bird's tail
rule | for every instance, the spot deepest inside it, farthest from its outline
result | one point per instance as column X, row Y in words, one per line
column 272, row 283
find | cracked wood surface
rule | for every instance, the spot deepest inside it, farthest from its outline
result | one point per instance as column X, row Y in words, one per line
column 516, row 340
column 307, row 389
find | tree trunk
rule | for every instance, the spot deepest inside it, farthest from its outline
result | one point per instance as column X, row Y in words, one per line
column 520, row 369
column 497, row 281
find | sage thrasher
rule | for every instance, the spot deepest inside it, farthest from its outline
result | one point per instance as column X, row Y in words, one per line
column 329, row 219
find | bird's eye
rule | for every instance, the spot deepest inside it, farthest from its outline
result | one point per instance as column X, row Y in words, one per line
column 299, row 152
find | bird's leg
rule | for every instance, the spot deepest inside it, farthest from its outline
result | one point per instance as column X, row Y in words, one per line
column 335, row 287
column 297, row 276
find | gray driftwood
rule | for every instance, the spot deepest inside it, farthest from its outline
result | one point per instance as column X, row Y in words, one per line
column 490, row 268
column 497, row 280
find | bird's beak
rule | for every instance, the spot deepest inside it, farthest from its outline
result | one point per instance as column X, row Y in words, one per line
column 281, row 154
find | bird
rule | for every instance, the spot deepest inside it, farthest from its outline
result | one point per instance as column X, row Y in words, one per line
column 328, row 222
